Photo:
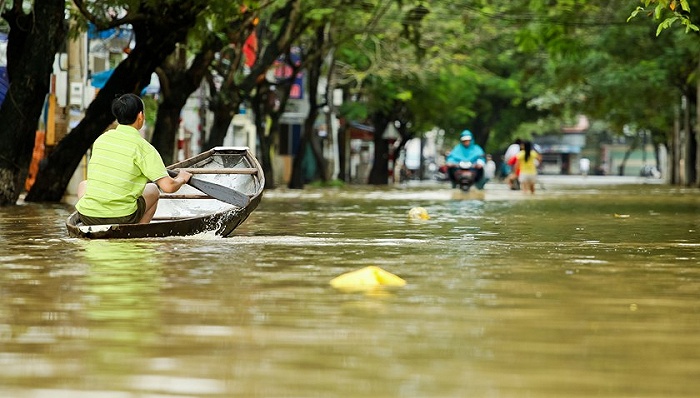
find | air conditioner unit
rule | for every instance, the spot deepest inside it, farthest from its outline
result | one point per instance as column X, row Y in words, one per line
column 76, row 94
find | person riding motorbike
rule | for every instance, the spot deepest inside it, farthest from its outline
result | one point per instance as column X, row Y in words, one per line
column 466, row 151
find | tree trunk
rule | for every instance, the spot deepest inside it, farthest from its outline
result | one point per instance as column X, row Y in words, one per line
column 308, row 143
column 379, row 175
column 267, row 148
column 177, row 84
column 621, row 167
column 676, row 149
column 309, row 136
column 224, row 100
column 689, row 150
column 296, row 181
column 692, row 158
column 42, row 31
column 223, row 115
column 343, row 145
column 166, row 127
column 260, row 102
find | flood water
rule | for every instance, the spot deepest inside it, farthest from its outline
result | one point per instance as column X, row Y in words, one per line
column 579, row 291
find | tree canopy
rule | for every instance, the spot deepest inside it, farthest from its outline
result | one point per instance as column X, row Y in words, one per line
column 500, row 68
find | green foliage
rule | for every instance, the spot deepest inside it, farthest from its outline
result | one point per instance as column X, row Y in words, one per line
column 668, row 13
column 625, row 77
column 503, row 68
column 465, row 64
column 354, row 110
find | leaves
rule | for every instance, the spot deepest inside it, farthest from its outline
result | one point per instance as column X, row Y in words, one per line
column 662, row 8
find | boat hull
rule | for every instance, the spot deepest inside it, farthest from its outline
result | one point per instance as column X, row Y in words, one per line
column 188, row 211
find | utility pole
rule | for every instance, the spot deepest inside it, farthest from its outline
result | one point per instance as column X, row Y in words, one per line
column 75, row 104
column 77, row 77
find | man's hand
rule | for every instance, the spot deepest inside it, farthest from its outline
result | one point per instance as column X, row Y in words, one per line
column 171, row 184
column 184, row 176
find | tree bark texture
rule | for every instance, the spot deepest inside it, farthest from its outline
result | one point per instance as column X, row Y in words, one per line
column 313, row 74
column 379, row 175
column 33, row 41
column 259, row 103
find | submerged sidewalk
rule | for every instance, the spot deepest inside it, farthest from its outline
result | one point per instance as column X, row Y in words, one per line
column 597, row 180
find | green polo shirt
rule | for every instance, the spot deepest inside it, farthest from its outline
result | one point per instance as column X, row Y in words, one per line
column 121, row 164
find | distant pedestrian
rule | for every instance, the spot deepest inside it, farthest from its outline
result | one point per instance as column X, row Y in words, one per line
column 489, row 168
column 584, row 165
column 526, row 162
column 509, row 161
column 489, row 172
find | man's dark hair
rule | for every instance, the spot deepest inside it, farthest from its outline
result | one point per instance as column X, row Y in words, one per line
column 126, row 108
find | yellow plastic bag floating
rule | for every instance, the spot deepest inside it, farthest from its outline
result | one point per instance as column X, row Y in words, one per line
column 367, row 278
column 418, row 213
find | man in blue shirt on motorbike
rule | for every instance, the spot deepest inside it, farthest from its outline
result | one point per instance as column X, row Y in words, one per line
column 468, row 152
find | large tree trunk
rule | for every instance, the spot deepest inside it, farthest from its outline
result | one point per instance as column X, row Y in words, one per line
column 267, row 148
column 43, row 30
column 265, row 135
column 381, row 167
column 223, row 114
column 313, row 73
column 675, row 158
column 308, row 143
column 343, row 145
column 689, row 142
column 167, row 126
column 155, row 40
column 379, row 175
column 621, row 167
column 296, row 181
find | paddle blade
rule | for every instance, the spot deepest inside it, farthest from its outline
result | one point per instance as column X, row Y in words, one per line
column 216, row 191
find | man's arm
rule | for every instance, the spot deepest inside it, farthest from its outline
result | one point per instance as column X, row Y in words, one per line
column 478, row 156
column 169, row 184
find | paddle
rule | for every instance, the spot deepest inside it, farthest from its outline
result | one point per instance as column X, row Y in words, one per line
column 216, row 191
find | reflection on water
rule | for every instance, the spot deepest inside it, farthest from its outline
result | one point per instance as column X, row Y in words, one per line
column 577, row 292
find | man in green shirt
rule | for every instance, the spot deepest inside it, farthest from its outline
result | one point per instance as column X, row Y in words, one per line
column 117, row 189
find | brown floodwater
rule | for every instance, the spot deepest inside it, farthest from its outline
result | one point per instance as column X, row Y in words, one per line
column 579, row 291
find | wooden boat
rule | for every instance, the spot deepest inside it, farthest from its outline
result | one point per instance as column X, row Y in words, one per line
column 226, row 174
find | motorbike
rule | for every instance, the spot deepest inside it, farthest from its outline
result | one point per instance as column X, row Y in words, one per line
column 465, row 175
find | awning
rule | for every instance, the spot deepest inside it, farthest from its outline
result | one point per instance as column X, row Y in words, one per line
column 360, row 131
